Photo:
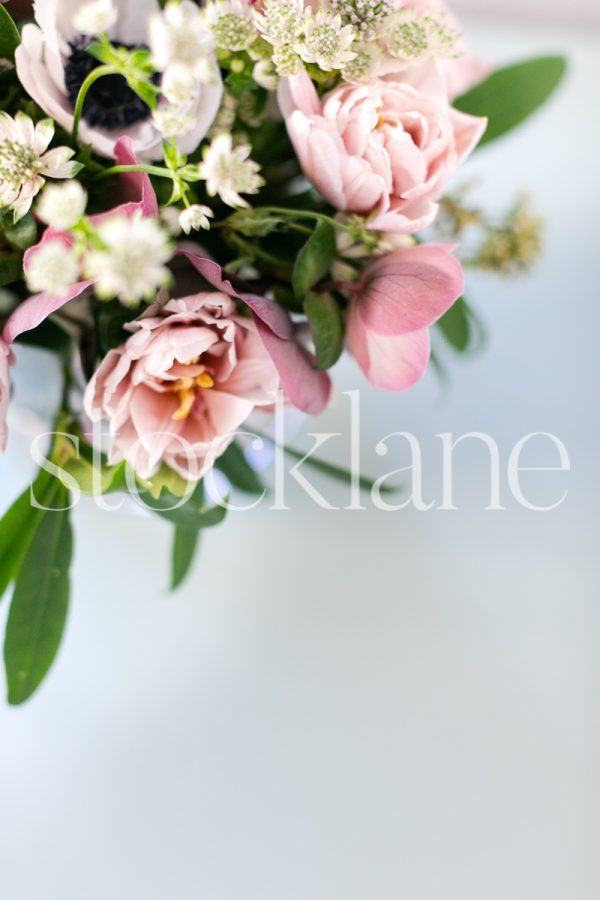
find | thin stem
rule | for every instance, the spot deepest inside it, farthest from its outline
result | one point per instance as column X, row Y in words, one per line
column 305, row 214
column 158, row 171
column 94, row 75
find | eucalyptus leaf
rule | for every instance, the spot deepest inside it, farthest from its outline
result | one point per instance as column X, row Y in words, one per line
column 314, row 260
column 512, row 94
column 39, row 605
column 327, row 326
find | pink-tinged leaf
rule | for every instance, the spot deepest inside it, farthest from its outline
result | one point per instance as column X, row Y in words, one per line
column 138, row 184
column 408, row 290
column 308, row 389
column 33, row 312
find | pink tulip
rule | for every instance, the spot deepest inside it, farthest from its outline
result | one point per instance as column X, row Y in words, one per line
column 5, row 360
column 384, row 149
column 398, row 298
column 179, row 388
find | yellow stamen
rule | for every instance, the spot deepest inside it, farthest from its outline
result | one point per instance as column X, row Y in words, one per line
column 205, row 380
column 186, row 399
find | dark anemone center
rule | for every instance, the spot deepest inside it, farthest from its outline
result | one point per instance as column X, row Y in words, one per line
column 110, row 102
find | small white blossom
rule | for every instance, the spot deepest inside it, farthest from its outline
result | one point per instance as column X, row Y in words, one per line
column 229, row 172
column 131, row 265
column 179, row 85
column 265, row 75
column 326, row 40
column 414, row 37
column 95, row 17
column 231, row 23
column 173, row 121
column 195, row 217
column 52, row 269
column 62, row 205
column 24, row 162
column 365, row 16
column 286, row 61
column 178, row 35
column 362, row 67
column 169, row 217
column 281, row 21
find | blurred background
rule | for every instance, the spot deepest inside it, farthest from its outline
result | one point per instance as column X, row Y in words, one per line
column 342, row 706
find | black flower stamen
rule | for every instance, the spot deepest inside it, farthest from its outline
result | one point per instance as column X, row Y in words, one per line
column 110, row 102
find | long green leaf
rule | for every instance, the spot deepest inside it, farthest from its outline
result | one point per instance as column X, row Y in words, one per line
column 327, row 326
column 314, row 260
column 185, row 544
column 19, row 525
column 39, row 606
column 337, row 472
column 234, row 466
column 9, row 36
column 511, row 95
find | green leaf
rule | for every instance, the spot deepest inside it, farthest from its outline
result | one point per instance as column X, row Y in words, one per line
column 9, row 36
column 327, row 325
column 337, row 472
column 168, row 482
column 39, row 606
column 19, row 525
column 314, row 260
column 462, row 328
column 234, row 466
column 185, row 544
column 11, row 266
column 511, row 95
column 22, row 234
column 193, row 514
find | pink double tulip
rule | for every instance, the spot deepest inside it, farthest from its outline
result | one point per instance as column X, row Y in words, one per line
column 385, row 149
column 399, row 297
column 179, row 388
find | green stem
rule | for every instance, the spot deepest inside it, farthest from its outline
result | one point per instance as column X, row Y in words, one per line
column 94, row 75
column 158, row 171
column 305, row 214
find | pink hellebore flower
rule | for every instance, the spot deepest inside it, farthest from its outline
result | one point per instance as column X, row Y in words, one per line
column 178, row 389
column 384, row 149
column 5, row 361
column 398, row 298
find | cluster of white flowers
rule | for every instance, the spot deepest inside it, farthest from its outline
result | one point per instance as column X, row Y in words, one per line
column 182, row 48
column 228, row 171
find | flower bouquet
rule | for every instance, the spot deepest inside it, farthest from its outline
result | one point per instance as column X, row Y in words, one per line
column 203, row 206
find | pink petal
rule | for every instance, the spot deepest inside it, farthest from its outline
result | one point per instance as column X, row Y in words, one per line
column 390, row 362
column 139, row 184
column 409, row 289
column 36, row 310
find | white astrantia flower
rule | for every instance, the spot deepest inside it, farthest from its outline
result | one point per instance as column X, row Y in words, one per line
column 265, row 75
column 61, row 206
column 231, row 23
column 280, row 21
column 362, row 67
column 179, row 35
column 326, row 40
column 169, row 218
column 414, row 37
column 172, row 121
column 229, row 172
column 95, row 17
column 286, row 60
column 52, row 269
column 195, row 217
column 25, row 161
column 365, row 16
column 132, row 264
column 179, row 85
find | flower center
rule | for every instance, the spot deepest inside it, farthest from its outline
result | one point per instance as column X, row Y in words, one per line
column 187, row 389
column 19, row 163
column 110, row 102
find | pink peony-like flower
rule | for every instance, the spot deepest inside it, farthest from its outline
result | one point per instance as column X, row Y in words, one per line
column 398, row 298
column 385, row 149
column 5, row 360
column 179, row 388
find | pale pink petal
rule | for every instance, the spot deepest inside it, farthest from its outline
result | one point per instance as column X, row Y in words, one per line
column 138, row 182
column 36, row 309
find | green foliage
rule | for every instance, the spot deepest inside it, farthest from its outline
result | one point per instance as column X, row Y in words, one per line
column 9, row 36
column 11, row 268
column 185, row 546
column 314, row 260
column 327, row 326
column 511, row 95
column 238, row 471
column 462, row 328
column 22, row 234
